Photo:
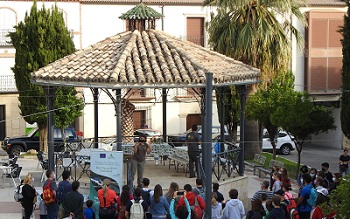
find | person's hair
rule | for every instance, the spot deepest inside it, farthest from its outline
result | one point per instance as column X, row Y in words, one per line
column 257, row 205
column 75, row 185
column 287, row 186
column 263, row 197
column 28, row 179
column 89, row 203
column 106, row 183
column 304, row 169
column 325, row 164
column 181, row 212
column 321, row 199
column 276, row 200
column 216, row 186
column 158, row 192
column 125, row 195
column 307, row 178
column 199, row 181
column 48, row 173
column 65, row 174
column 319, row 181
column 138, row 192
column 172, row 189
column 233, row 193
column 337, row 176
column 278, row 175
column 284, row 174
column 345, row 150
column 188, row 188
column 269, row 205
column 214, row 196
column 313, row 169
column 194, row 127
column 145, row 182
column 276, row 168
column 321, row 174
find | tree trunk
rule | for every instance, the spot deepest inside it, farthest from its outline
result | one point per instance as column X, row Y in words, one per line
column 299, row 147
column 273, row 143
column 252, row 144
column 128, row 121
column 43, row 144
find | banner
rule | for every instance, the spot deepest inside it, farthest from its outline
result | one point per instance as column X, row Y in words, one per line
column 105, row 164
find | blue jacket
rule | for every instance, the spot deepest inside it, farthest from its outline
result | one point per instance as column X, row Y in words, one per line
column 172, row 209
column 159, row 208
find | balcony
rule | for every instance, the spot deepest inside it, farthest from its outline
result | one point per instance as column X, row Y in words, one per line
column 7, row 84
column 5, row 40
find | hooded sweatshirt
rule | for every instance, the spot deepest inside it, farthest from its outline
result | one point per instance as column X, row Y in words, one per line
column 234, row 209
column 216, row 211
column 191, row 200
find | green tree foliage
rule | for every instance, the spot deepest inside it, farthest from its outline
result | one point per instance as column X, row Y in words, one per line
column 345, row 99
column 39, row 40
column 300, row 117
column 263, row 104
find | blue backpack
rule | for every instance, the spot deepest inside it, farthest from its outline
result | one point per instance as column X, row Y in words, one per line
column 146, row 196
column 60, row 193
column 311, row 201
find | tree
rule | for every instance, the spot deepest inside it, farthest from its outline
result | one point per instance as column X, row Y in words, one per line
column 345, row 99
column 300, row 117
column 39, row 40
column 262, row 105
column 256, row 33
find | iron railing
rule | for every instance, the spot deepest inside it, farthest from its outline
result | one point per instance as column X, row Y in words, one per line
column 5, row 40
column 7, row 83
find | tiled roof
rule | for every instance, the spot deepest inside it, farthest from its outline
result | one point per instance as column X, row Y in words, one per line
column 147, row 59
column 141, row 11
column 325, row 3
column 148, row 2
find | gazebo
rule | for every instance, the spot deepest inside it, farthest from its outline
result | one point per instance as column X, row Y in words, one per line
column 147, row 58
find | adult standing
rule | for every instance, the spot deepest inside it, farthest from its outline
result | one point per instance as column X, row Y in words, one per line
column 159, row 204
column 139, row 157
column 29, row 194
column 63, row 188
column 193, row 142
column 107, row 198
column 52, row 208
column 303, row 208
column 329, row 175
column 73, row 202
column 264, row 189
column 344, row 161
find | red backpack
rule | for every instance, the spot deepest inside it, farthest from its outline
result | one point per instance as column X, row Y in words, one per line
column 292, row 206
column 196, row 210
column 48, row 194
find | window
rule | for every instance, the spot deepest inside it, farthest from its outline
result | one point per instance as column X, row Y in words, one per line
column 69, row 133
column 195, row 30
column 8, row 19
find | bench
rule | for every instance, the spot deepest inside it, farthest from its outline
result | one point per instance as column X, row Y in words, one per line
column 271, row 165
column 259, row 161
column 175, row 160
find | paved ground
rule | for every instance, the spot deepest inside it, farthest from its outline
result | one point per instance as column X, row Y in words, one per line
column 158, row 174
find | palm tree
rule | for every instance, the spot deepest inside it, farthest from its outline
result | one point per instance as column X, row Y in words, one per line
column 258, row 33
column 127, row 121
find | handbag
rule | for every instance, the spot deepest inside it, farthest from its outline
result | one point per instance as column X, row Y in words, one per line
column 111, row 210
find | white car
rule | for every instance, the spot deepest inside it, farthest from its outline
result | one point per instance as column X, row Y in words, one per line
column 284, row 145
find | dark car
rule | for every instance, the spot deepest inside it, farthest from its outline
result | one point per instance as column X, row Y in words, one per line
column 16, row 145
column 179, row 139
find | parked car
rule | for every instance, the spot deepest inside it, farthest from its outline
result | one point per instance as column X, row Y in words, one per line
column 285, row 143
column 177, row 140
column 16, row 145
column 150, row 133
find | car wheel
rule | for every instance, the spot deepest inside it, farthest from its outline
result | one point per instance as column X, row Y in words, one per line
column 285, row 149
column 16, row 150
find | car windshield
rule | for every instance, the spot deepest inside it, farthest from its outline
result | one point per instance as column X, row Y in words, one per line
column 31, row 132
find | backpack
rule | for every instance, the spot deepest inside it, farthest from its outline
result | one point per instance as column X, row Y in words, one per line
column 60, row 193
column 18, row 193
column 311, row 201
column 200, row 192
column 196, row 210
column 146, row 196
column 48, row 194
column 136, row 210
column 291, row 207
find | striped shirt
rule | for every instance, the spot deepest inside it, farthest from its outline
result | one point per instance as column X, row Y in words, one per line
column 258, row 194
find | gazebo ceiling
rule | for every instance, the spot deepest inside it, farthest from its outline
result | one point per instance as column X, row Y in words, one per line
column 149, row 59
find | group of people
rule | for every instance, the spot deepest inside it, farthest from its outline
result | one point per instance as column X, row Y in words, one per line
column 275, row 201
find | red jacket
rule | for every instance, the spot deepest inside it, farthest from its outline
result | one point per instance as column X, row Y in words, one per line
column 317, row 214
column 191, row 200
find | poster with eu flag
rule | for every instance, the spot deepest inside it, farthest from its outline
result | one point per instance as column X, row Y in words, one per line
column 105, row 164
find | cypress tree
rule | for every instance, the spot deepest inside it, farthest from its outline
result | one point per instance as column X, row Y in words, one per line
column 39, row 40
column 345, row 99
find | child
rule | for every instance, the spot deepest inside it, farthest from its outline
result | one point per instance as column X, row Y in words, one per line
column 88, row 212
column 42, row 208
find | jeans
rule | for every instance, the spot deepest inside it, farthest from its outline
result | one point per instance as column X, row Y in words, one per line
column 344, row 172
column 193, row 160
column 139, row 166
column 52, row 211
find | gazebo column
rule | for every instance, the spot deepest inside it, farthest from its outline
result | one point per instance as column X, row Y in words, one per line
column 203, row 117
column 50, row 127
column 207, row 139
column 95, row 94
column 242, row 94
column 164, row 103
column 222, row 116
column 118, row 111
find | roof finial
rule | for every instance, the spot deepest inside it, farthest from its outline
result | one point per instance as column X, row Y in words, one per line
column 140, row 1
